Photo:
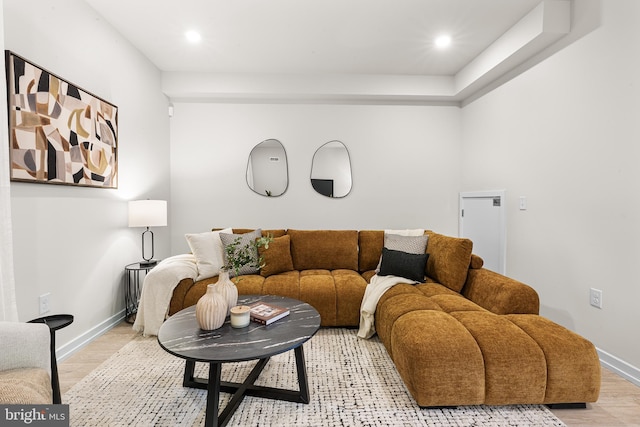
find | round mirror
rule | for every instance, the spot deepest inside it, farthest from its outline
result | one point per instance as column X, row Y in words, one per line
column 331, row 170
column 267, row 171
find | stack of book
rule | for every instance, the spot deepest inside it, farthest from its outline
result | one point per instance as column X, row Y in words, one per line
column 266, row 314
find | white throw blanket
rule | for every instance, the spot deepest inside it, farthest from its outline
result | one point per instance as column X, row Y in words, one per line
column 157, row 290
column 375, row 289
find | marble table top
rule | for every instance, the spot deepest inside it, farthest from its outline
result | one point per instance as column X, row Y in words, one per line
column 181, row 336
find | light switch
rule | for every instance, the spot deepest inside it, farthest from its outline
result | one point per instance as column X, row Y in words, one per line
column 523, row 203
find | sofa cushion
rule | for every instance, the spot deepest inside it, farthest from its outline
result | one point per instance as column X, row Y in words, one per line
column 403, row 264
column 277, row 257
column 449, row 259
column 370, row 243
column 285, row 284
column 350, row 287
column 573, row 366
column 394, row 307
column 324, row 249
column 500, row 294
column 476, row 262
column 524, row 377
column 208, row 250
column 438, row 359
column 25, row 386
column 318, row 288
column 245, row 239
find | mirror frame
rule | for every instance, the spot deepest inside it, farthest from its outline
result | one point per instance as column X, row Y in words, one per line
column 286, row 167
column 317, row 183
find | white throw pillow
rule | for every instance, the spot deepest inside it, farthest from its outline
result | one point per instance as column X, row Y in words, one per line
column 406, row 232
column 400, row 240
column 208, row 250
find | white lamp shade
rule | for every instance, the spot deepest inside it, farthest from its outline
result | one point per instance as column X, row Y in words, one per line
column 147, row 213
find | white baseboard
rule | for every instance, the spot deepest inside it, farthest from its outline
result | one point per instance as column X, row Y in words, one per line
column 84, row 339
column 619, row 366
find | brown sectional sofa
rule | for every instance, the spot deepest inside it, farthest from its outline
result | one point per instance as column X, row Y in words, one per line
column 467, row 336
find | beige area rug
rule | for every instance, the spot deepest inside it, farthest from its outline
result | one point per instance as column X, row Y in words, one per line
column 352, row 383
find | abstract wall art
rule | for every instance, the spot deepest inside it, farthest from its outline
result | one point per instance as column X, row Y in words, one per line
column 58, row 132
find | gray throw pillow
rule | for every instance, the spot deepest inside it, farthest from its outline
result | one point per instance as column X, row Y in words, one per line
column 245, row 239
column 409, row 244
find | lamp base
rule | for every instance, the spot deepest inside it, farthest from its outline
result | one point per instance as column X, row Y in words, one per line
column 149, row 263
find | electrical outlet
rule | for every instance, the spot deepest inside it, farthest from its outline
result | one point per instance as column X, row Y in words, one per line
column 45, row 303
column 595, row 298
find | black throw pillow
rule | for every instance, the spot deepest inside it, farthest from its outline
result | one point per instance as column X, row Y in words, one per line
column 403, row 264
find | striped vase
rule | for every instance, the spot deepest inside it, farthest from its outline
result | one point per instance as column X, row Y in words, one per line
column 211, row 309
column 225, row 287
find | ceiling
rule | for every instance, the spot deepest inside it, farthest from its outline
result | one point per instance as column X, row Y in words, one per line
column 362, row 50
column 312, row 36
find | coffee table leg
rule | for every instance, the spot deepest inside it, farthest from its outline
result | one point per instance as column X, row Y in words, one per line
column 240, row 391
column 302, row 375
column 301, row 395
column 189, row 368
column 214, row 386
column 213, row 395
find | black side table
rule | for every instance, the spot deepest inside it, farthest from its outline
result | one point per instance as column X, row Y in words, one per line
column 132, row 288
column 54, row 322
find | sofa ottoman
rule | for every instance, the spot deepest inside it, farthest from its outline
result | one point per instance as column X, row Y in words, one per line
column 451, row 352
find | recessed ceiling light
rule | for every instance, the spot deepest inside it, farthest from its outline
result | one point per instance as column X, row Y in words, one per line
column 443, row 41
column 193, row 36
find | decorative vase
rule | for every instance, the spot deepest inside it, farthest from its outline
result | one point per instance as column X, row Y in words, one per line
column 227, row 289
column 211, row 309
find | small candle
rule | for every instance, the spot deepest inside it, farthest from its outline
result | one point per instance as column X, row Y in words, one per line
column 240, row 316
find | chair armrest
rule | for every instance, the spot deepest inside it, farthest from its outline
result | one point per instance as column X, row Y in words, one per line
column 500, row 294
column 25, row 345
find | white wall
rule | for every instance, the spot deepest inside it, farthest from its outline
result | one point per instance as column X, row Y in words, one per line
column 405, row 162
column 74, row 242
column 565, row 134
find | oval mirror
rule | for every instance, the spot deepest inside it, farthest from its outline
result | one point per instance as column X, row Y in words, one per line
column 267, row 170
column 331, row 170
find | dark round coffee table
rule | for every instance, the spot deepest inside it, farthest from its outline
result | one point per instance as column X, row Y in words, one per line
column 181, row 336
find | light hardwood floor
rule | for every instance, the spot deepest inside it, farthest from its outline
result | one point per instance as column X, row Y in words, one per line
column 618, row 405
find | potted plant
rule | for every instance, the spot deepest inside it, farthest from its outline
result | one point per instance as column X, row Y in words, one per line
column 213, row 307
column 247, row 255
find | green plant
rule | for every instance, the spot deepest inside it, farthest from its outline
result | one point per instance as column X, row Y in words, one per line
column 239, row 256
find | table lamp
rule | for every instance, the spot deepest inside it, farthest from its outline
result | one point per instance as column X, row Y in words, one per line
column 147, row 213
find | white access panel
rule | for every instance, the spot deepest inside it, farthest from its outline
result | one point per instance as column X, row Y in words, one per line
column 482, row 220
